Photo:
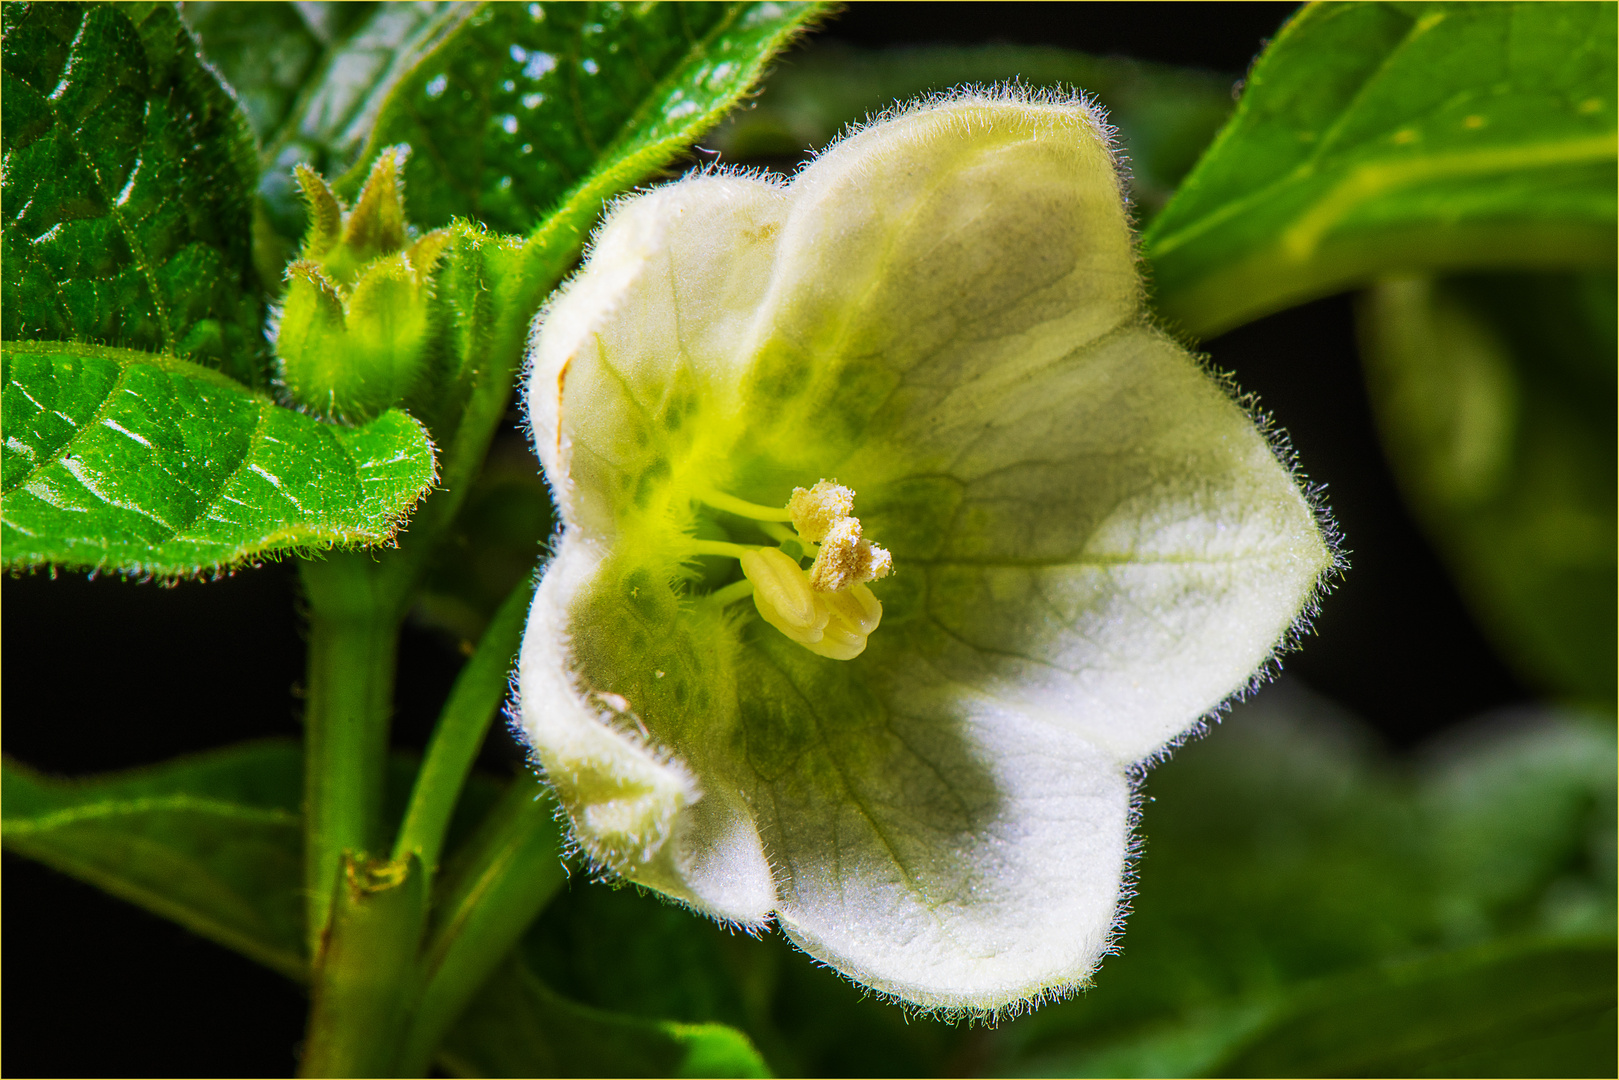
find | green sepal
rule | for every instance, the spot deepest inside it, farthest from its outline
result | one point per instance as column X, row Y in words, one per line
column 355, row 329
column 1379, row 138
column 143, row 464
column 129, row 171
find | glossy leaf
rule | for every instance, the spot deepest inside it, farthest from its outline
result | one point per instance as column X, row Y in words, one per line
column 1540, row 1010
column 1380, row 137
column 1164, row 115
column 212, row 842
column 128, row 181
column 1494, row 396
column 526, row 103
column 365, row 50
column 125, row 461
column 518, row 1026
column 266, row 53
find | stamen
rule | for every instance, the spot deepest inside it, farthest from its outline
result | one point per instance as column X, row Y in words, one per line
column 855, row 613
column 784, row 534
column 730, row 594
column 721, row 547
column 845, row 559
column 828, row 609
column 816, row 510
column 741, row 507
column 783, row 595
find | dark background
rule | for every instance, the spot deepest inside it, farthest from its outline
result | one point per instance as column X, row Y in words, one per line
column 107, row 674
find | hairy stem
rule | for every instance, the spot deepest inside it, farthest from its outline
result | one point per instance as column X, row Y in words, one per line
column 460, row 731
column 353, row 644
column 502, row 879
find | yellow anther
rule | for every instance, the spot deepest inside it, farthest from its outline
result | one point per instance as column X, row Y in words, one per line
column 855, row 614
column 782, row 593
column 819, row 508
column 828, row 610
column 847, row 559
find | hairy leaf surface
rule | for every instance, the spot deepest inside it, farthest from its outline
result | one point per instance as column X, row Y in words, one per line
column 127, row 185
column 213, row 842
column 1380, row 137
column 125, row 461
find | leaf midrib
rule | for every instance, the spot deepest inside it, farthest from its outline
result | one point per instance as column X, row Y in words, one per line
column 136, row 249
column 14, row 825
column 1319, row 166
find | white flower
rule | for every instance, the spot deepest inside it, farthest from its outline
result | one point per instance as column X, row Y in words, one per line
column 1091, row 548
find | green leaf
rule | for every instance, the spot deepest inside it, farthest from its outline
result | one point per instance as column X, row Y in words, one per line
column 1375, row 138
column 1494, row 396
column 264, row 52
column 1282, row 852
column 212, row 842
column 626, row 951
column 525, row 104
column 129, row 173
column 1515, row 1010
column 518, row 1026
column 365, row 50
column 1165, row 115
column 125, row 461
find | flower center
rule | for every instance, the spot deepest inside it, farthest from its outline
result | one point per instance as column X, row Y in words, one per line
column 827, row 609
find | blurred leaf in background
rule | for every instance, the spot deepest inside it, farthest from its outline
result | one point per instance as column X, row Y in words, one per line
column 1165, row 115
column 1494, row 394
column 1379, row 137
column 312, row 78
column 1291, row 872
column 1294, row 882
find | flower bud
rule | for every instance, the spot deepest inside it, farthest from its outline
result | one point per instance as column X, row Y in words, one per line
column 352, row 335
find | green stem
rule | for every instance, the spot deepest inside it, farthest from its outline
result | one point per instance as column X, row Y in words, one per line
column 460, row 731
column 353, row 645
column 367, row 975
column 497, row 885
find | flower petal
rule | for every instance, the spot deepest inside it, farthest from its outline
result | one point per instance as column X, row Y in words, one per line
column 979, row 238
column 964, row 859
column 1117, row 552
column 656, row 327
column 635, row 809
